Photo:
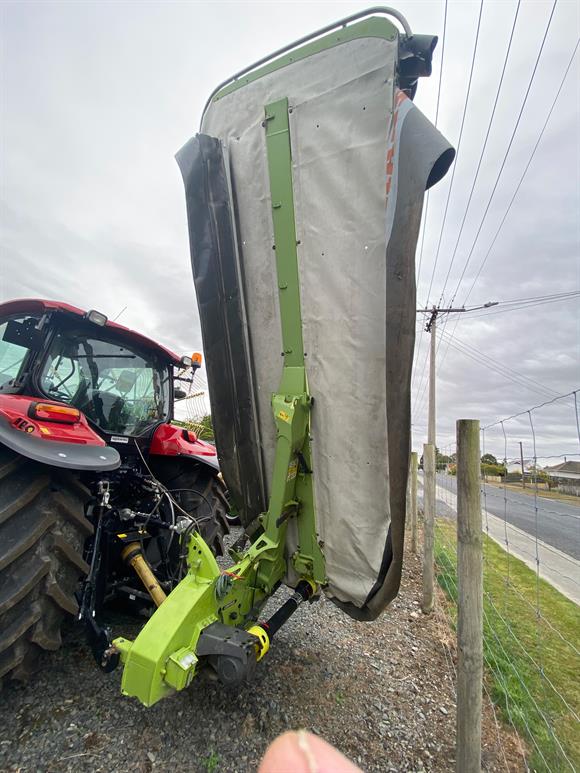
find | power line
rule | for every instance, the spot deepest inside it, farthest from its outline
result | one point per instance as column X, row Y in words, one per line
column 535, row 67
column 504, row 370
column 483, row 149
column 516, row 303
column 483, row 262
column 519, row 302
column 512, row 371
column 431, row 328
column 450, row 337
column 532, row 77
column 487, row 361
column 536, row 298
column 444, row 37
column 436, row 120
column 423, row 371
column 439, row 310
column 569, row 297
column 458, row 149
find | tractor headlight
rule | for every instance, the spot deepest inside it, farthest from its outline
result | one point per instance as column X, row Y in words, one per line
column 96, row 317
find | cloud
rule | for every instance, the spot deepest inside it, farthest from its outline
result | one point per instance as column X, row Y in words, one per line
column 97, row 97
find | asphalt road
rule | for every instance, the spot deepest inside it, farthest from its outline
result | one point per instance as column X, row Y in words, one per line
column 558, row 523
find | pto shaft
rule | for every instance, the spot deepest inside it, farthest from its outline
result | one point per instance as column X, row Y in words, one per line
column 133, row 555
column 303, row 592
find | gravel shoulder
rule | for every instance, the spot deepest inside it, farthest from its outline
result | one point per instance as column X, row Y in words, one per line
column 381, row 692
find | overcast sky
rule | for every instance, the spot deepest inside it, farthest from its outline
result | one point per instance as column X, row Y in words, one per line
column 97, row 97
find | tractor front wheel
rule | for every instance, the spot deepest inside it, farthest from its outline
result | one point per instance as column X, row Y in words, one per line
column 42, row 532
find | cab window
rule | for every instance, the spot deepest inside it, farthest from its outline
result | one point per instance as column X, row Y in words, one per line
column 16, row 337
column 118, row 388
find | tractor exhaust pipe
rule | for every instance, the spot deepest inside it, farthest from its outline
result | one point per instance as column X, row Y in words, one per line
column 133, row 555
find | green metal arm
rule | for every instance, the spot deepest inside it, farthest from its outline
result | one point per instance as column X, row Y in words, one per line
column 163, row 656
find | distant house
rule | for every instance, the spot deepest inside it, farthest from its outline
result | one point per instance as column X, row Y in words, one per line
column 566, row 471
column 516, row 467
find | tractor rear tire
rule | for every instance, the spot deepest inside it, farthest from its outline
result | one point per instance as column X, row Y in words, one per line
column 199, row 491
column 42, row 532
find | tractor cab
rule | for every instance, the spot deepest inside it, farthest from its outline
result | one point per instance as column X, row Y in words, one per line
column 121, row 389
column 72, row 377
column 121, row 381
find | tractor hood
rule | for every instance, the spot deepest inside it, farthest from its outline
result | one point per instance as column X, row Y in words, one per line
column 362, row 156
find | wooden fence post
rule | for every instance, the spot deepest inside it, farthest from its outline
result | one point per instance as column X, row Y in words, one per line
column 470, row 599
column 428, row 527
column 413, row 502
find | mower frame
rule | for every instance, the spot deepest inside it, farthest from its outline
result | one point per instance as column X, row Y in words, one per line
column 165, row 656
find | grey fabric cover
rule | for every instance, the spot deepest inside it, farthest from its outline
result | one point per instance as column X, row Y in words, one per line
column 353, row 137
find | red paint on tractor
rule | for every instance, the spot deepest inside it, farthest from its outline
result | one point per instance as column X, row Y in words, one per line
column 15, row 408
column 170, row 440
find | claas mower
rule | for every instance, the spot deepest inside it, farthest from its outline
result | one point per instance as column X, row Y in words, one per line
column 304, row 190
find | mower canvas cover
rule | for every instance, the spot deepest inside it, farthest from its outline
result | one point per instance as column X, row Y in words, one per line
column 362, row 157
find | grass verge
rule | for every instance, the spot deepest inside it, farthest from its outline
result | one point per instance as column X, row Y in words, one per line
column 531, row 641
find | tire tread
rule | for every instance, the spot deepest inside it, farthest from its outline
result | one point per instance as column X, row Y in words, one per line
column 42, row 533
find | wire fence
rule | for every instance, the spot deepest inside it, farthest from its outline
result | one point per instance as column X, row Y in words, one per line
column 194, row 409
column 531, row 568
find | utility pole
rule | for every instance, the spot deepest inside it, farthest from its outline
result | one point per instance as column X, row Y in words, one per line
column 413, row 501
column 432, row 415
column 431, row 327
column 429, row 489
column 522, row 459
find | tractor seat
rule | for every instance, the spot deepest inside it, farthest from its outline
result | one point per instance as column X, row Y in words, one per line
column 106, row 410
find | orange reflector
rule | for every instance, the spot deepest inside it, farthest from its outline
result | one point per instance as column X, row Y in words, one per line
column 50, row 412
column 197, row 359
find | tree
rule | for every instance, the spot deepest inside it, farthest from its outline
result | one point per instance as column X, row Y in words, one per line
column 496, row 470
column 488, row 459
column 441, row 460
column 202, row 428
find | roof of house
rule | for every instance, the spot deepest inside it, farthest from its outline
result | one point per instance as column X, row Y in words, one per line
column 564, row 467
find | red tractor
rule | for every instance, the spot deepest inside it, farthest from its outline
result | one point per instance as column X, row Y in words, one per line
column 98, row 489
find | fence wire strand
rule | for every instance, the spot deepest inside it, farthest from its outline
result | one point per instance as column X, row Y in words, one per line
column 531, row 552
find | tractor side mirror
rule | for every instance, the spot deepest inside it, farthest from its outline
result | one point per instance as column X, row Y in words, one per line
column 179, row 394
